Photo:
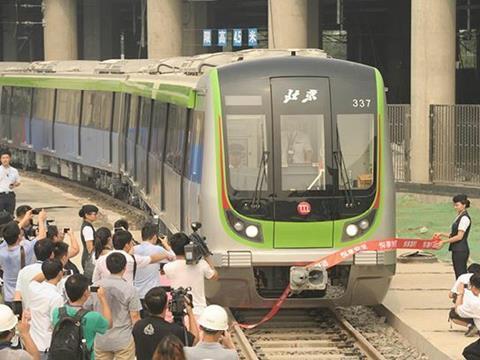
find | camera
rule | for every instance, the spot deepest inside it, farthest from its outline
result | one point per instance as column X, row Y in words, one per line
column 197, row 248
column 93, row 289
column 177, row 303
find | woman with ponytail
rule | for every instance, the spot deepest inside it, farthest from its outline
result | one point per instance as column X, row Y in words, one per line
column 103, row 242
column 87, row 235
column 457, row 238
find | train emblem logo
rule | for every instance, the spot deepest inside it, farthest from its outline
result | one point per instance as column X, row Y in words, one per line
column 304, row 208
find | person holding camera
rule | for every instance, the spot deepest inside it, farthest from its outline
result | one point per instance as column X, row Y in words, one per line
column 149, row 331
column 8, row 326
column 45, row 297
column 192, row 276
column 43, row 250
column 217, row 343
column 123, row 243
column 73, row 249
column 122, row 297
column 14, row 257
column 149, row 276
column 93, row 323
column 9, row 180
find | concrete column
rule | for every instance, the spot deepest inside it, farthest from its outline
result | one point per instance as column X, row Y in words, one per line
column 60, row 29
column 164, row 18
column 287, row 24
column 432, row 73
column 315, row 27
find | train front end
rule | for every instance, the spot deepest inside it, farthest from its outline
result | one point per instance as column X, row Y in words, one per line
column 298, row 163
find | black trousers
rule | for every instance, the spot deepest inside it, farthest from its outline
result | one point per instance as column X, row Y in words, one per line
column 8, row 202
column 472, row 351
column 459, row 260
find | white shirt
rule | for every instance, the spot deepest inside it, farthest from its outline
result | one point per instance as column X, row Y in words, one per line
column 44, row 298
column 8, row 176
column 87, row 233
column 101, row 270
column 25, row 276
column 470, row 309
column 464, row 224
column 182, row 275
column 462, row 279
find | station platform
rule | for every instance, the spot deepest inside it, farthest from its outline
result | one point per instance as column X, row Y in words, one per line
column 417, row 305
column 40, row 194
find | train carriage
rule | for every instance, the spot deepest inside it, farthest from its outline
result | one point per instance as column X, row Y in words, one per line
column 282, row 155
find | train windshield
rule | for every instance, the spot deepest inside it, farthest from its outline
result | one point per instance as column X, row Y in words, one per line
column 356, row 142
column 303, row 152
column 246, row 145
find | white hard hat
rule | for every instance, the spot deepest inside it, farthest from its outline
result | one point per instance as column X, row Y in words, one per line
column 214, row 317
column 8, row 320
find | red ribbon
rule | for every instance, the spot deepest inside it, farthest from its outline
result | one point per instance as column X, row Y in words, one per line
column 340, row 255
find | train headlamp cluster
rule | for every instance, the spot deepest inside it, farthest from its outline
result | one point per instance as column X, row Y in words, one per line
column 244, row 228
column 358, row 227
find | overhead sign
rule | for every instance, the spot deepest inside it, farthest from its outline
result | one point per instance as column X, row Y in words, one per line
column 207, row 37
column 252, row 37
column 222, row 37
column 237, row 37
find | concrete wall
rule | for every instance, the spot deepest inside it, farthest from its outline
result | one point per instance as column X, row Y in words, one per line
column 287, row 24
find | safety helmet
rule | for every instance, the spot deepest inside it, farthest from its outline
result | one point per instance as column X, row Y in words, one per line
column 8, row 320
column 214, row 317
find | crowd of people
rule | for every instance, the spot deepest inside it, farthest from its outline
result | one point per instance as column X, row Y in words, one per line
column 116, row 305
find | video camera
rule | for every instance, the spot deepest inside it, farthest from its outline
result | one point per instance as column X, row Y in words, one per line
column 177, row 303
column 197, row 248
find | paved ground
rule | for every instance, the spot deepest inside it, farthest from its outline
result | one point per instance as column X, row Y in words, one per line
column 418, row 298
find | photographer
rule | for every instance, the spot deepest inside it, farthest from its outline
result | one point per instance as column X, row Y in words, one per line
column 189, row 276
column 123, row 243
column 149, row 331
column 24, row 219
column 8, row 324
column 73, row 249
column 122, row 296
column 217, row 343
column 467, row 305
column 13, row 258
column 149, row 276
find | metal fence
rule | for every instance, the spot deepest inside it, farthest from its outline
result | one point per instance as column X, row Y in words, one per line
column 399, row 120
column 455, row 144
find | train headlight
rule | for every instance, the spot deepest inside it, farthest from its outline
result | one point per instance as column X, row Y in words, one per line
column 238, row 226
column 251, row 231
column 364, row 224
column 351, row 230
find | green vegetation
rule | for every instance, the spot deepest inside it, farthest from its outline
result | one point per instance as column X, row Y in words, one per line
column 419, row 216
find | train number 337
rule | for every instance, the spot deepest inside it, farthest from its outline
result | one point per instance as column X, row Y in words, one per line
column 361, row 103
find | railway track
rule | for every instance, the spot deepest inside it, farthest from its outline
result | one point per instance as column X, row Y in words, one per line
column 301, row 334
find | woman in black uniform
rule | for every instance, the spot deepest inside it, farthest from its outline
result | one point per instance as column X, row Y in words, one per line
column 458, row 236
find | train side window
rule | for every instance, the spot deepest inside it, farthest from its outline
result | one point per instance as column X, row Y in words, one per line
column 87, row 113
column 5, row 111
column 157, row 136
column 146, row 111
column 132, row 118
column 118, row 112
column 43, row 104
column 177, row 122
column 97, row 109
column 21, row 97
column 193, row 167
column 68, row 106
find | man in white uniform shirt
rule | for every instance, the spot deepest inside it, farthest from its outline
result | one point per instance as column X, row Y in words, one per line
column 182, row 275
column 45, row 297
column 9, row 179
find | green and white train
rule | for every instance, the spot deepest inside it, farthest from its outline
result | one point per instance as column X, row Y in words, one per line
column 282, row 155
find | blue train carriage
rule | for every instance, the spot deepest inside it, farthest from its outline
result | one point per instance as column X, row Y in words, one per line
column 282, row 155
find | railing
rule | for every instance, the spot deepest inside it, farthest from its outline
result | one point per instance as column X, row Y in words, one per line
column 455, row 144
column 399, row 120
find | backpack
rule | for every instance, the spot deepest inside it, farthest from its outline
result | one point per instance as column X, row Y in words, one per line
column 67, row 338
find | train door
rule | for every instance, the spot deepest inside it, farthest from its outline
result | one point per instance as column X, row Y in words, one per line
column 142, row 143
column 302, row 158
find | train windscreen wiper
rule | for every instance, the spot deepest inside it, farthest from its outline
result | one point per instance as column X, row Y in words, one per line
column 261, row 176
column 346, row 181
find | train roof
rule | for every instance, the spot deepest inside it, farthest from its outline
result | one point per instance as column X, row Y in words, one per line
column 173, row 79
